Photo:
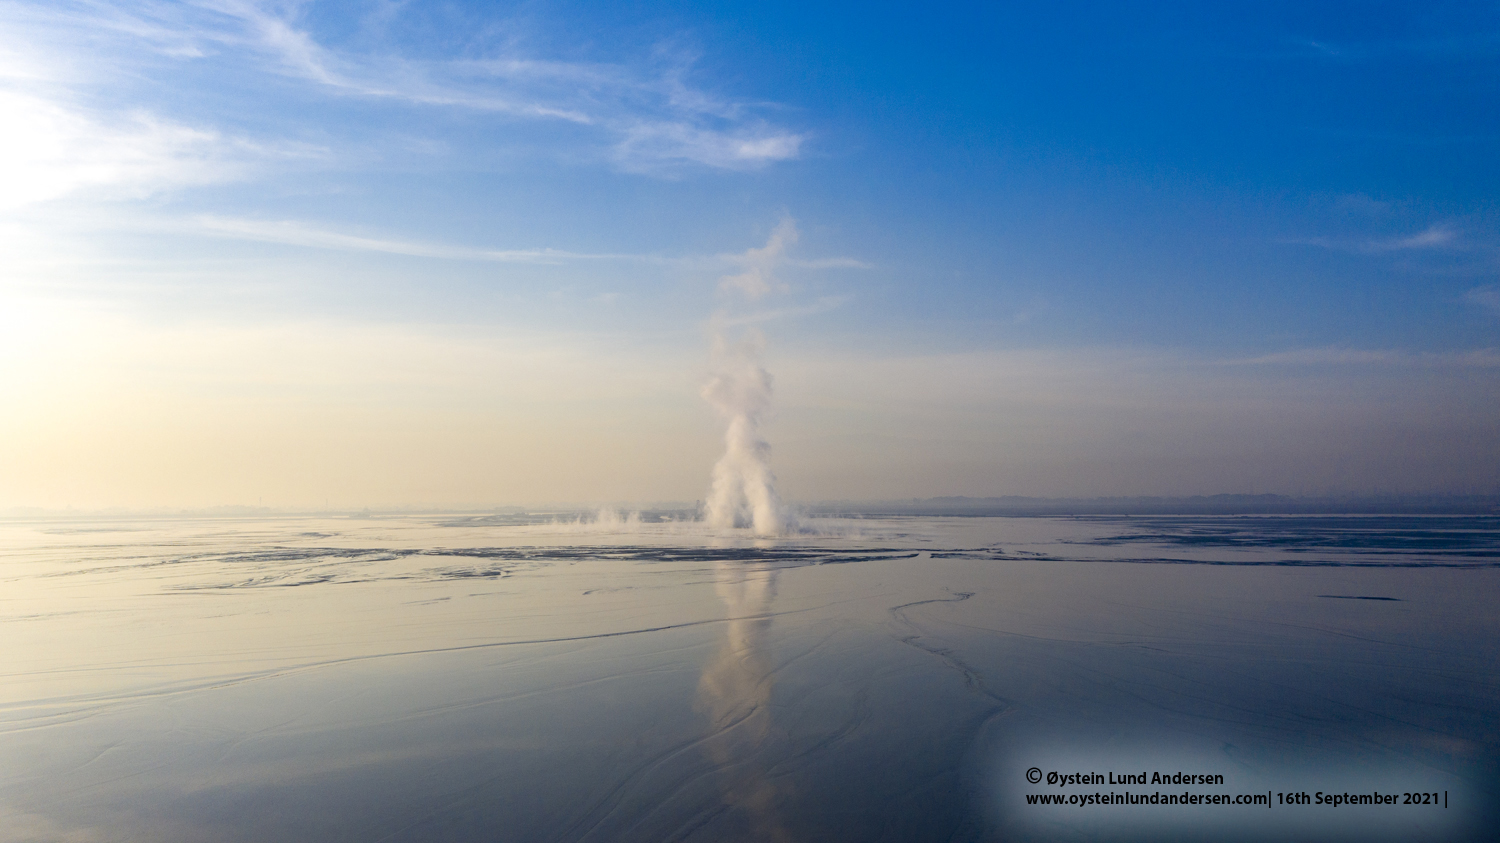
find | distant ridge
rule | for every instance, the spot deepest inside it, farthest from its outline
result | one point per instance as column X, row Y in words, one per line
column 955, row 505
column 1194, row 505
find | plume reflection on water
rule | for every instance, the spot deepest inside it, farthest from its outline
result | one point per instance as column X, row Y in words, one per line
column 735, row 694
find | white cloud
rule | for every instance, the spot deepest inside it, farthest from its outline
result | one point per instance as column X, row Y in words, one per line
column 49, row 150
column 293, row 233
column 1486, row 358
column 645, row 115
column 65, row 134
column 653, row 119
column 1435, row 236
column 300, row 53
column 758, row 263
column 648, row 145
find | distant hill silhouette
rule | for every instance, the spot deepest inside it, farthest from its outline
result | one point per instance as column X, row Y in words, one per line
column 1194, row 505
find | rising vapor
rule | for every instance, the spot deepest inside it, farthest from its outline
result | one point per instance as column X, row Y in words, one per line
column 743, row 493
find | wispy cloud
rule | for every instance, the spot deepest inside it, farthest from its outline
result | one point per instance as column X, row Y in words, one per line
column 1435, row 236
column 757, row 263
column 75, row 123
column 646, row 114
column 65, row 136
column 652, row 115
column 49, row 150
column 294, row 233
column 1486, row 358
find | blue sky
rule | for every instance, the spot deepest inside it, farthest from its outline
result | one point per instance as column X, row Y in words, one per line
column 1058, row 249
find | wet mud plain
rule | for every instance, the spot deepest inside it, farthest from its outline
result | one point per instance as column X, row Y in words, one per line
column 510, row 678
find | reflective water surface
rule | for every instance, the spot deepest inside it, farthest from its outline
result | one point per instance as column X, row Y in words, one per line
column 487, row 678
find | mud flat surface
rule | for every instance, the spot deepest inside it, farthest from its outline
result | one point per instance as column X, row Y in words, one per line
column 463, row 678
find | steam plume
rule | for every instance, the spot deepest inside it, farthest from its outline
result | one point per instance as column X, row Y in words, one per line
column 743, row 493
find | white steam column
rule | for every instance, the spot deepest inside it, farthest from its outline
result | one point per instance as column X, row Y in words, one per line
column 743, row 493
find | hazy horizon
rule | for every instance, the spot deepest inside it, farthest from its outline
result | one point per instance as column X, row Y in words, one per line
column 1002, row 505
